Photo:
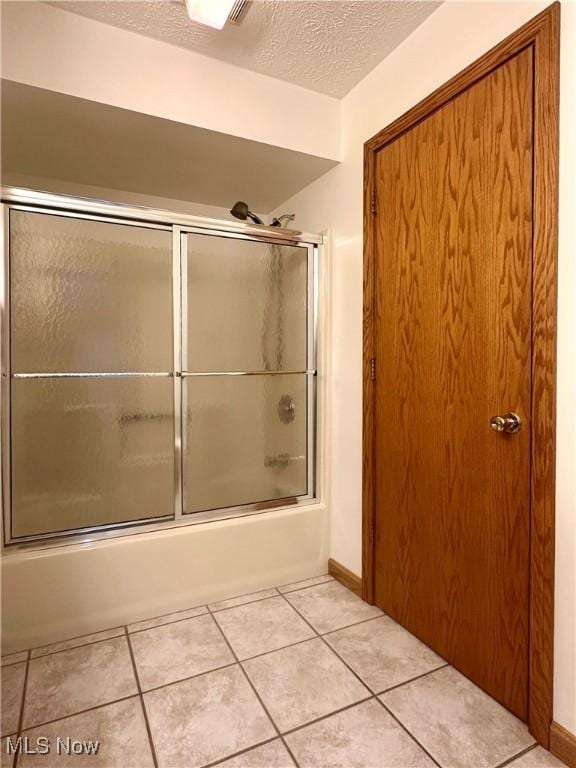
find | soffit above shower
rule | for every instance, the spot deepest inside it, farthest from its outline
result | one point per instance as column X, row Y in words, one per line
column 56, row 136
column 323, row 45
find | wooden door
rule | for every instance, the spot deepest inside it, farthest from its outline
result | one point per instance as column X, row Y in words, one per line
column 453, row 314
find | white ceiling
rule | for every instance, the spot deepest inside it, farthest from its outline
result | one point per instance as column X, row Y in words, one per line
column 324, row 45
column 54, row 135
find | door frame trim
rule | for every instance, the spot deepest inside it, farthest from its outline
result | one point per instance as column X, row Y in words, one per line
column 542, row 34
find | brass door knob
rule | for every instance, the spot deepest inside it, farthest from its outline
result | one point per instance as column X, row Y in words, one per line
column 509, row 423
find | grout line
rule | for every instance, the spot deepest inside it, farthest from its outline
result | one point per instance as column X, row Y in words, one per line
column 170, row 613
column 354, row 624
column 322, row 639
column 275, row 650
column 301, row 589
column 516, row 756
column 251, row 684
column 306, row 640
column 301, row 727
column 80, row 712
column 364, row 683
column 12, row 663
column 166, row 623
column 141, row 697
column 327, row 644
column 121, row 633
column 400, row 685
column 410, row 734
column 372, row 695
column 190, row 677
column 120, row 629
column 210, row 606
column 22, row 705
column 326, row 576
column 75, row 647
column 411, row 680
column 213, row 611
column 240, row 752
column 125, row 698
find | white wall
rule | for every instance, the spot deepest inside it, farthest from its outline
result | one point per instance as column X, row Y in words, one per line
column 61, row 51
column 451, row 38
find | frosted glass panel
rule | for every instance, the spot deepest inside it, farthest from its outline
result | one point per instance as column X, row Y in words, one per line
column 246, row 305
column 245, row 440
column 89, row 295
column 89, row 452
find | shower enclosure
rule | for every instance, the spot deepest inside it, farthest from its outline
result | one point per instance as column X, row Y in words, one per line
column 158, row 369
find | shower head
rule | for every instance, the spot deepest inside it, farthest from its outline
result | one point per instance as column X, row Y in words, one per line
column 241, row 211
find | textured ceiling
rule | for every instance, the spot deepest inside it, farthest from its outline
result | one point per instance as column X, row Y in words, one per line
column 323, row 45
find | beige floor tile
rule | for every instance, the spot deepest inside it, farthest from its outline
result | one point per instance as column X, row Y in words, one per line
column 176, row 651
column 306, row 583
column 262, row 626
column 364, row 736
column 537, row 758
column 205, row 719
column 119, row 728
column 331, row 606
column 242, row 600
column 14, row 658
column 383, row 653
column 12, row 688
column 271, row 755
column 456, row 722
column 65, row 683
column 168, row 618
column 303, row 682
column 76, row 642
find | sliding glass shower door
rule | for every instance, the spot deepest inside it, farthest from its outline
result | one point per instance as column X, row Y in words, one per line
column 92, row 405
column 155, row 374
column 245, row 363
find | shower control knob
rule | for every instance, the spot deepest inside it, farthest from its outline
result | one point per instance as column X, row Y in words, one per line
column 286, row 409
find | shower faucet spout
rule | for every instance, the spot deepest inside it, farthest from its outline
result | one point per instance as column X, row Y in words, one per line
column 286, row 217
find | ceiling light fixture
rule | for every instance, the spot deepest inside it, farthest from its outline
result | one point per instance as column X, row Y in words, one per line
column 214, row 13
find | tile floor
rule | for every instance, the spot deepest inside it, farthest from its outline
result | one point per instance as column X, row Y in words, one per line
column 304, row 675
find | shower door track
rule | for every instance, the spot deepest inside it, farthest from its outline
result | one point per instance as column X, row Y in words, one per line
column 180, row 225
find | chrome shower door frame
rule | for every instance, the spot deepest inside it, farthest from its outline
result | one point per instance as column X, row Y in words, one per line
column 273, row 235
column 181, row 226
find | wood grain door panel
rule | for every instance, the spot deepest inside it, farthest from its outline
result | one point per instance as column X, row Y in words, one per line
column 453, row 299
